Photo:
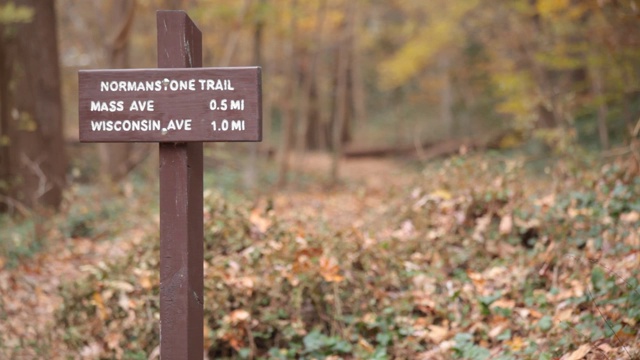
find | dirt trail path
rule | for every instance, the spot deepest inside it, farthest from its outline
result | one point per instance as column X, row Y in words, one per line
column 29, row 294
column 365, row 185
column 374, row 173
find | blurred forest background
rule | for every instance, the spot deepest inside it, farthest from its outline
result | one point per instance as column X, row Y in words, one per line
column 471, row 110
column 338, row 75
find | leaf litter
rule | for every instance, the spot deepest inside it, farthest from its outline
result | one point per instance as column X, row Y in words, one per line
column 476, row 257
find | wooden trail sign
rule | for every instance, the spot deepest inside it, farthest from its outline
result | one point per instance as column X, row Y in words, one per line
column 180, row 108
column 161, row 105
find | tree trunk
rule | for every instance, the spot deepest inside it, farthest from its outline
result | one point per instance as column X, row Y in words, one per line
column 5, row 123
column 341, row 101
column 603, row 111
column 304, row 113
column 250, row 170
column 33, row 159
column 118, row 159
column 315, row 126
column 233, row 37
column 359, row 92
column 446, row 97
column 289, row 105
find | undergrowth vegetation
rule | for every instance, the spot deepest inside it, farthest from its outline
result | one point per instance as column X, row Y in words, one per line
column 85, row 213
column 482, row 258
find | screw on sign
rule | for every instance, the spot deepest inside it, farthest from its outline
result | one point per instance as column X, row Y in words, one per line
column 179, row 106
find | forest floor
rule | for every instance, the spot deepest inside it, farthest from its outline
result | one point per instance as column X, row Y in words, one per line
column 29, row 292
column 471, row 257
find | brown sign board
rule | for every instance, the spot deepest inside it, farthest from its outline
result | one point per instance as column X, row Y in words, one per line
column 170, row 105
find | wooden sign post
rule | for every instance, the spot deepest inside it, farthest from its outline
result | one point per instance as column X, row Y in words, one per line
column 180, row 107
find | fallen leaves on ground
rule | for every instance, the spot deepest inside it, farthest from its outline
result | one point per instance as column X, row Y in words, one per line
column 479, row 258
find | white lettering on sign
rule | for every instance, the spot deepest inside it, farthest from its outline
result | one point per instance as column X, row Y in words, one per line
column 125, row 125
column 237, row 104
column 182, row 85
column 109, row 106
column 149, row 105
column 178, row 124
column 225, row 104
column 213, row 105
column 140, row 125
column 166, row 85
column 141, row 105
column 215, row 85
column 170, row 105
column 131, row 85
column 236, row 125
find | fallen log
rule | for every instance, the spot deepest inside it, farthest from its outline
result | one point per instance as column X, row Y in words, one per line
column 429, row 150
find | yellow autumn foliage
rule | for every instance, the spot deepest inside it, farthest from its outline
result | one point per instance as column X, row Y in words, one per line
column 10, row 13
column 548, row 8
column 441, row 33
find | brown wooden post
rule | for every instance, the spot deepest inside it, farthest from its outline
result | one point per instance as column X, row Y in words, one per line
column 181, row 226
column 179, row 107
